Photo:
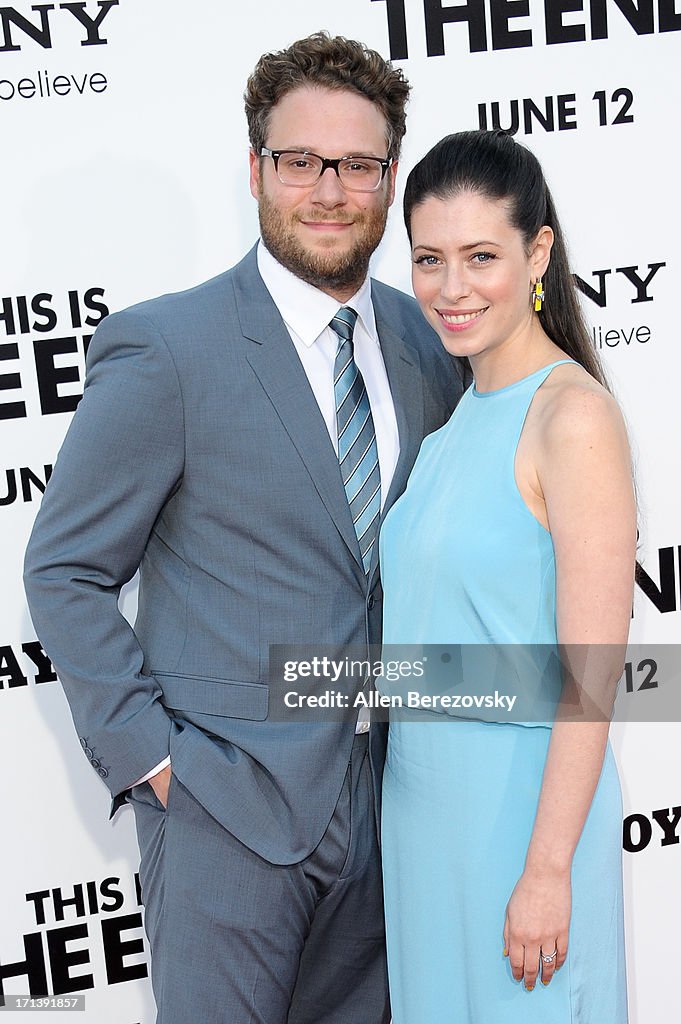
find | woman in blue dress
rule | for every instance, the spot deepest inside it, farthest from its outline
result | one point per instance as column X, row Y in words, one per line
column 502, row 837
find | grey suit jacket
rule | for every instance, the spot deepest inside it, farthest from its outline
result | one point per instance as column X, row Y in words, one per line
column 198, row 454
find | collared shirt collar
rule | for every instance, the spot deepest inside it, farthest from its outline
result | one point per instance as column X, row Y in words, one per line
column 305, row 309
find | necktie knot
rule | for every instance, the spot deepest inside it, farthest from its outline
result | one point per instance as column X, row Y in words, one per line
column 343, row 323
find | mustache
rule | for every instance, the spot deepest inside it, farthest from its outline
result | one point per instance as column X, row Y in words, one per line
column 326, row 218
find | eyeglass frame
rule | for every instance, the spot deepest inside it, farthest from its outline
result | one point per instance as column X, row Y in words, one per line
column 334, row 164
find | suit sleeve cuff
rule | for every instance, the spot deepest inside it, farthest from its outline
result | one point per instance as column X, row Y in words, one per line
column 154, row 771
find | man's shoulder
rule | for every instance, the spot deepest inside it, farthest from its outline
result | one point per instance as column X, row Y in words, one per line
column 400, row 312
column 390, row 296
column 217, row 293
column 189, row 324
column 172, row 303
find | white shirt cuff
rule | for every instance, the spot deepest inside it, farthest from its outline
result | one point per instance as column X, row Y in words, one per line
column 154, row 771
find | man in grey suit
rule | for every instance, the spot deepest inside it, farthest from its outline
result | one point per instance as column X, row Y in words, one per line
column 239, row 443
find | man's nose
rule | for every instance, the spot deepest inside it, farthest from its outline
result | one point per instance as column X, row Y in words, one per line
column 328, row 189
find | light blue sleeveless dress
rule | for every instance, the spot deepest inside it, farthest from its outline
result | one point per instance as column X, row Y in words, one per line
column 463, row 561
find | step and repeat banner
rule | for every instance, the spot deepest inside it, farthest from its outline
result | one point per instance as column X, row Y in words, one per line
column 125, row 174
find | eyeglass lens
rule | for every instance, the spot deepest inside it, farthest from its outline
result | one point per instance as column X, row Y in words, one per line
column 359, row 173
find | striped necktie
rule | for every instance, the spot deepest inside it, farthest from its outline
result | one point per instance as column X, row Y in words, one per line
column 357, row 449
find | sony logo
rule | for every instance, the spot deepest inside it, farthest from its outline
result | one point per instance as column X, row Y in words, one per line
column 639, row 281
column 17, row 27
column 638, row 829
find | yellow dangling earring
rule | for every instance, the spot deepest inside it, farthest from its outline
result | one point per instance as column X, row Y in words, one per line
column 538, row 295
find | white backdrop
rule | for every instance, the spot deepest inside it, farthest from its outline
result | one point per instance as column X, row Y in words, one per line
column 124, row 174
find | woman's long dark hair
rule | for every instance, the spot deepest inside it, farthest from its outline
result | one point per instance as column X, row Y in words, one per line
column 492, row 164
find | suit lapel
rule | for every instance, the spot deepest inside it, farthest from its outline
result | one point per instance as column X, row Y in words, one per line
column 406, row 385
column 275, row 362
column 404, row 375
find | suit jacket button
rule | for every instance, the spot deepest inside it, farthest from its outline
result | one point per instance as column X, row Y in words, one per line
column 89, row 753
column 95, row 763
column 103, row 773
column 371, row 602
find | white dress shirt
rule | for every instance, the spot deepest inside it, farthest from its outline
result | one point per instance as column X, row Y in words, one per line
column 307, row 313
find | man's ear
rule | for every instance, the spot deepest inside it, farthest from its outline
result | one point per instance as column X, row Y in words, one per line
column 254, row 173
column 392, row 172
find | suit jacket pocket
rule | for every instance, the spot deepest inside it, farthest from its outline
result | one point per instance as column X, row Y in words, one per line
column 225, row 698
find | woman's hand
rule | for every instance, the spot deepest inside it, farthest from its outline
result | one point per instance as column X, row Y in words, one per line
column 537, row 922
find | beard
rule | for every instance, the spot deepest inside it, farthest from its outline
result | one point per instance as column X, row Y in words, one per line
column 328, row 270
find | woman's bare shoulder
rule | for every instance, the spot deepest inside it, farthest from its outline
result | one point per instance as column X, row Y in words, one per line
column 574, row 408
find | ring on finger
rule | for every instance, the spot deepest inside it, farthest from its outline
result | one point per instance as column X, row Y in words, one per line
column 548, row 959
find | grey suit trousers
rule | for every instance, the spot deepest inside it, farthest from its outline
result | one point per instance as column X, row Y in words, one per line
column 277, row 944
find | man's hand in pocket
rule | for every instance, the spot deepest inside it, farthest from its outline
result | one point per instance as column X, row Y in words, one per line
column 160, row 784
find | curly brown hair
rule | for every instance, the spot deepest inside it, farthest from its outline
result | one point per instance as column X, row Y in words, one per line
column 329, row 62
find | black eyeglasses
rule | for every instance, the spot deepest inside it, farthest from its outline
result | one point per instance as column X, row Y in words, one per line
column 302, row 169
